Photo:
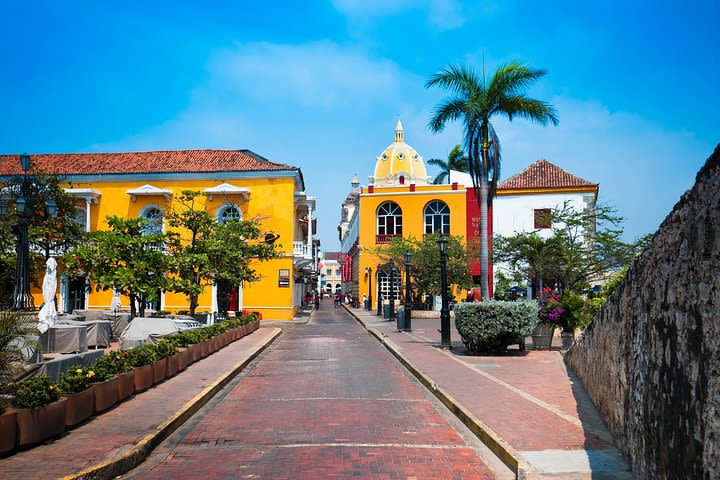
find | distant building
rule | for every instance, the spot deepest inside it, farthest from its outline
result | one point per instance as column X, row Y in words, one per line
column 330, row 275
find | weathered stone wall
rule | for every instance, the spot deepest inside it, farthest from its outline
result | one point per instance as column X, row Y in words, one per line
column 651, row 358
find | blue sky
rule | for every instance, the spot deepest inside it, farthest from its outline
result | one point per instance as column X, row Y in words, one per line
column 320, row 85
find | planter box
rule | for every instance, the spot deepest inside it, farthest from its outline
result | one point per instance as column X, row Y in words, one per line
column 204, row 348
column 542, row 336
column 143, row 377
column 173, row 365
column 195, row 349
column 8, row 431
column 80, row 406
column 159, row 370
column 185, row 358
column 126, row 385
column 38, row 424
column 106, row 394
column 212, row 345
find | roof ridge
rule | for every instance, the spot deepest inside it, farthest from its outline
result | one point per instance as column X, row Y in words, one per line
column 543, row 174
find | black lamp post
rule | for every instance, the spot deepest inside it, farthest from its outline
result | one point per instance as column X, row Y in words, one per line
column 368, row 272
column 391, row 316
column 444, row 310
column 24, row 206
column 408, row 313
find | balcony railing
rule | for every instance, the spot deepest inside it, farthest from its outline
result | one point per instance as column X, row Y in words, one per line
column 386, row 237
column 301, row 249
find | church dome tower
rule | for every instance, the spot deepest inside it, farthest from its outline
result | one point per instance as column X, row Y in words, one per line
column 400, row 164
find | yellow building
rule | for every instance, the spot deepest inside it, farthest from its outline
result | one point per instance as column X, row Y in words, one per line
column 238, row 183
column 400, row 201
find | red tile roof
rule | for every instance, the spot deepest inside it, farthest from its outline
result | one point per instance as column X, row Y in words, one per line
column 168, row 161
column 543, row 174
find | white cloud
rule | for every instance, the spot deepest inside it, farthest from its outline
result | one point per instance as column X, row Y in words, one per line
column 443, row 14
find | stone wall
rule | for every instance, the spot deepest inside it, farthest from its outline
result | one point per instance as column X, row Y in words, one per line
column 651, row 358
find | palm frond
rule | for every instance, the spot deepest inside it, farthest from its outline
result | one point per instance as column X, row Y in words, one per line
column 448, row 110
column 440, row 178
column 534, row 110
column 438, row 163
column 513, row 78
column 459, row 79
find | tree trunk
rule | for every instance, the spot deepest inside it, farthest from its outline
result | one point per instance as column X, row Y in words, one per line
column 484, row 254
column 141, row 305
column 132, row 305
column 193, row 303
column 539, row 290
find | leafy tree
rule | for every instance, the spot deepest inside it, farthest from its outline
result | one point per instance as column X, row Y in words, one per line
column 125, row 258
column 206, row 251
column 457, row 161
column 425, row 262
column 535, row 257
column 474, row 101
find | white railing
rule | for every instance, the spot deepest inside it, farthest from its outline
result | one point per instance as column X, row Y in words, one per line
column 301, row 249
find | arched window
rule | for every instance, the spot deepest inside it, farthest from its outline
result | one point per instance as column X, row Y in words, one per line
column 437, row 217
column 228, row 212
column 155, row 217
column 81, row 217
column 389, row 220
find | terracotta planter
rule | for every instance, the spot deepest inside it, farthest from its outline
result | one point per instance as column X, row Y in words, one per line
column 143, row 377
column 217, row 342
column 196, row 350
column 126, row 385
column 212, row 345
column 106, row 394
column 226, row 338
column 185, row 358
column 80, row 406
column 173, row 365
column 234, row 334
column 204, row 348
column 159, row 370
column 38, row 424
column 8, row 431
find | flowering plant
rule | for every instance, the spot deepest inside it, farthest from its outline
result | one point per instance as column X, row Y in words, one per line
column 36, row 392
column 76, row 379
column 550, row 312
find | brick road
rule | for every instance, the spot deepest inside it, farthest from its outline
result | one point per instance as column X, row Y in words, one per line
column 526, row 397
column 326, row 400
column 117, row 430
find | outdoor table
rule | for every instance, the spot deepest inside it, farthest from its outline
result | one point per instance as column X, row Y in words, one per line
column 62, row 338
column 119, row 321
column 98, row 333
column 55, row 367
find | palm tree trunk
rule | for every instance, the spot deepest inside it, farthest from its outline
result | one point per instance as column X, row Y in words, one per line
column 484, row 254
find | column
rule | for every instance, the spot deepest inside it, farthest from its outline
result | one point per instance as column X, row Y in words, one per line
column 87, row 214
column 309, row 234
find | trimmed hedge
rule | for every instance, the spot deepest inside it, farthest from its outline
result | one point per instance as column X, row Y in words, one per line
column 491, row 326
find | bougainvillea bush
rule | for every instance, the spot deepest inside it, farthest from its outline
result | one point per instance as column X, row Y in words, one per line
column 491, row 326
column 551, row 310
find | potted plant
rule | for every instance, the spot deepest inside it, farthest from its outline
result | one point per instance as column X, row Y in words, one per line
column 574, row 317
column 18, row 333
column 549, row 313
column 142, row 358
column 185, row 356
column 76, row 386
column 40, row 410
column 165, row 351
column 108, row 370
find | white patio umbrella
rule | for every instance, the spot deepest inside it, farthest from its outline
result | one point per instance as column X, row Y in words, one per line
column 48, row 313
column 115, row 303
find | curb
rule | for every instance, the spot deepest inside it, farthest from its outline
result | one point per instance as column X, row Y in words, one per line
column 506, row 453
column 138, row 453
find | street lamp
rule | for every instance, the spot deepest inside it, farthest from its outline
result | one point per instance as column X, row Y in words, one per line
column 444, row 310
column 408, row 326
column 391, row 316
column 22, row 299
column 368, row 272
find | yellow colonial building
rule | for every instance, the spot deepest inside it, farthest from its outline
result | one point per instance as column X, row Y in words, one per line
column 237, row 183
column 399, row 201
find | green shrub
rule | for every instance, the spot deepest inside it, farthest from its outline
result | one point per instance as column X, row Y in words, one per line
column 165, row 348
column 142, row 355
column 162, row 313
column 76, row 379
column 490, row 326
column 111, row 364
column 36, row 392
column 575, row 315
column 181, row 339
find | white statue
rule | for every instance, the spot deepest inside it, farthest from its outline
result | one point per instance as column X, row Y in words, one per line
column 48, row 313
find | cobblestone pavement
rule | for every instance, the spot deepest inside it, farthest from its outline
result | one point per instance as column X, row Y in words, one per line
column 527, row 398
column 325, row 400
column 119, row 429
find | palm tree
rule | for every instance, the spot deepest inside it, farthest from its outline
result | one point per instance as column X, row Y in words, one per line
column 456, row 161
column 474, row 101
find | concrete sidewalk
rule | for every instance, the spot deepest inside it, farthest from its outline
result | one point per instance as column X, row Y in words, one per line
column 115, row 441
column 525, row 405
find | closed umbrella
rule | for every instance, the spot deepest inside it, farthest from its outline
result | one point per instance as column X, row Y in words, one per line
column 48, row 313
column 115, row 303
